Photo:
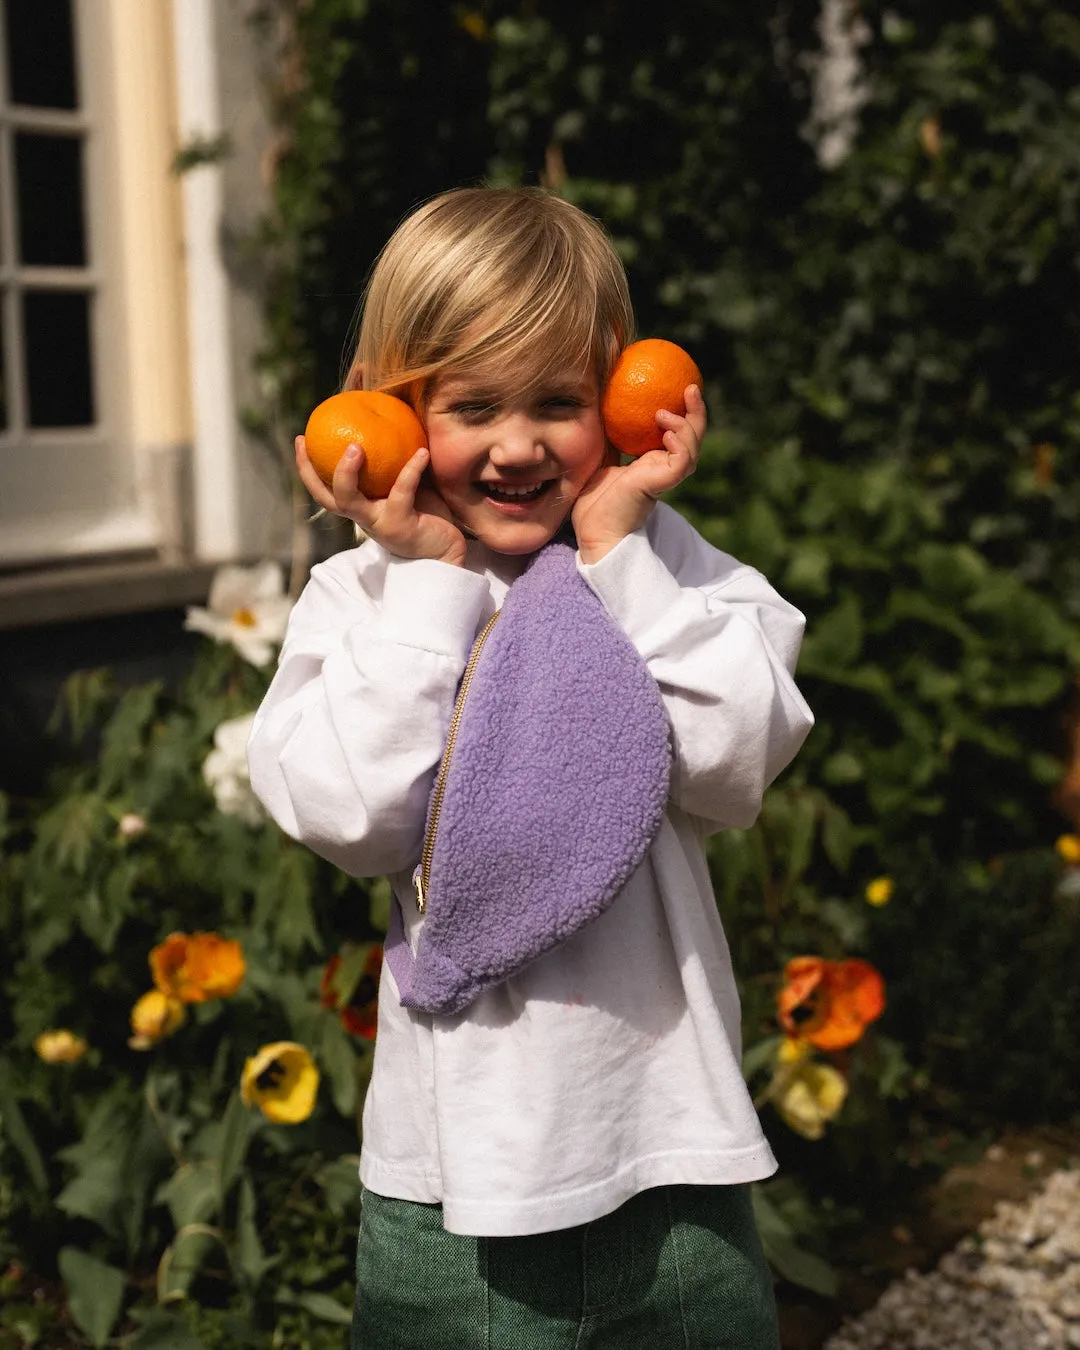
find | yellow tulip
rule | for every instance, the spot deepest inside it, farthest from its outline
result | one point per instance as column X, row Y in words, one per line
column 155, row 1016
column 810, row 1096
column 880, row 891
column 282, row 1081
column 1068, row 848
column 60, row 1046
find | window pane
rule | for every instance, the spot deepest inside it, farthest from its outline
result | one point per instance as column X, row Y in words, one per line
column 56, row 331
column 48, row 184
column 41, row 53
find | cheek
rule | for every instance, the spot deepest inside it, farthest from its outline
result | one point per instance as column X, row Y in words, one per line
column 591, row 453
column 449, row 465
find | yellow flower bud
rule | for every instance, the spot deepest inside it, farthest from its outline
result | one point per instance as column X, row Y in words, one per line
column 60, row 1046
column 155, row 1016
column 1068, row 848
column 812, row 1095
column 880, row 891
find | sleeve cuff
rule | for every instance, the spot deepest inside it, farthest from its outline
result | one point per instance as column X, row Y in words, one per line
column 432, row 606
column 633, row 584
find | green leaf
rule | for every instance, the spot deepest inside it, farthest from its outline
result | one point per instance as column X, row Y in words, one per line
column 251, row 1261
column 846, row 920
column 380, row 898
column 283, row 903
column 324, row 1307
column 69, row 830
column 162, row 1330
column 340, row 1182
column 103, row 909
column 83, row 696
column 760, row 1056
column 338, row 1057
column 192, row 1193
column 99, row 1192
column 14, row 1126
column 802, row 831
column 808, row 570
column 836, row 639
column 183, row 1259
column 121, row 740
column 237, row 1127
column 799, row 1266
column 837, row 836
column 350, row 972
column 785, row 1255
column 95, row 1292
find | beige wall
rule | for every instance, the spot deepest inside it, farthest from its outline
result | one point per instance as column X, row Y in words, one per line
column 148, row 220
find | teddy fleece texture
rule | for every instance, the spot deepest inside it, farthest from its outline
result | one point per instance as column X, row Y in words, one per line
column 555, row 790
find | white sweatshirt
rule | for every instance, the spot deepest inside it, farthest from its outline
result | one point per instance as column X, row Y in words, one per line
column 612, row 1064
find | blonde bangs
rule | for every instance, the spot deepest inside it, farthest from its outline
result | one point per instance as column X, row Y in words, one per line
column 513, row 280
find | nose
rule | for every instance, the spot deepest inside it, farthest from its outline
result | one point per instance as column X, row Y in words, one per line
column 517, row 443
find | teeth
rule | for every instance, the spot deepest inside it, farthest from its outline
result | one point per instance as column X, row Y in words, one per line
column 505, row 490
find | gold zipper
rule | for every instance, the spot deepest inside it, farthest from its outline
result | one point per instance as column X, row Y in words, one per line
column 422, row 876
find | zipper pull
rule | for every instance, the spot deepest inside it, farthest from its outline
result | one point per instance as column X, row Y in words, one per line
column 418, row 887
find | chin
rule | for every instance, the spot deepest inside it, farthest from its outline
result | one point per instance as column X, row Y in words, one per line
column 519, row 540
column 515, row 538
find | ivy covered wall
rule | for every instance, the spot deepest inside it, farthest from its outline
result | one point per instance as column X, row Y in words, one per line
column 864, row 224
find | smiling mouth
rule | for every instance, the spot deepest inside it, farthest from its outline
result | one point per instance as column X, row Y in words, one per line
column 507, row 492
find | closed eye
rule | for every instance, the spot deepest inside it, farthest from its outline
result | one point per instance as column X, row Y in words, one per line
column 561, row 406
column 474, row 412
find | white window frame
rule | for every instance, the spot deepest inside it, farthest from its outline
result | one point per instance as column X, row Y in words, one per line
column 66, row 531
column 164, row 397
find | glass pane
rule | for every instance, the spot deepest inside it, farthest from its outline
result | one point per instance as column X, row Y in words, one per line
column 59, row 380
column 48, row 185
column 41, row 53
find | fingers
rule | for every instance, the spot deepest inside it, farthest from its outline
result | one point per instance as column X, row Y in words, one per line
column 317, row 489
column 402, row 496
column 412, row 521
column 682, row 435
column 696, row 413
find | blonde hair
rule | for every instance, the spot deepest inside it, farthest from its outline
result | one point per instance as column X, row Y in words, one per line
column 514, row 277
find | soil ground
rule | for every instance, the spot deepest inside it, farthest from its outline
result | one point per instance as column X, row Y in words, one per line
column 937, row 1218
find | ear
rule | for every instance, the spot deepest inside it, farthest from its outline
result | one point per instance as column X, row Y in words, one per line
column 355, row 377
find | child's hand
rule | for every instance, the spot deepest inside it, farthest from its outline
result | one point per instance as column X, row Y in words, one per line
column 619, row 499
column 412, row 522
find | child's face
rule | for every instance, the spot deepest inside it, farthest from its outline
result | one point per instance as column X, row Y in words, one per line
column 510, row 467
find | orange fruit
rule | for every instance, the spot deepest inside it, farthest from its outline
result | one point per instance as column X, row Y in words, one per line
column 385, row 428
column 649, row 375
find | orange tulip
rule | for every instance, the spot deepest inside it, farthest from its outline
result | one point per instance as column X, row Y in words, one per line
column 197, row 967
column 829, row 1003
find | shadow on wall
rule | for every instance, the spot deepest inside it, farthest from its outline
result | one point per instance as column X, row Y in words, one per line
column 37, row 661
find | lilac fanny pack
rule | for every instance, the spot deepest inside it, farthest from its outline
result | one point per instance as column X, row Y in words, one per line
column 551, row 790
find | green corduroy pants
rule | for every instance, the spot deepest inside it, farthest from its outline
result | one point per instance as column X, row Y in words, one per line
column 675, row 1268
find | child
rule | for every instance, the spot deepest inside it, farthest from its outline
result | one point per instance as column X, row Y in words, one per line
column 558, row 1142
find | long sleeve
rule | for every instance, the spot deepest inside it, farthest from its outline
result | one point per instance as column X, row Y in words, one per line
column 721, row 644
column 347, row 739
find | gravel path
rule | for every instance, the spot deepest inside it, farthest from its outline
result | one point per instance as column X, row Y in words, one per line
column 1013, row 1285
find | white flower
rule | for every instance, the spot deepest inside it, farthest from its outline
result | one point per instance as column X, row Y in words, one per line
column 130, row 825
column 247, row 607
column 839, row 84
column 226, row 770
